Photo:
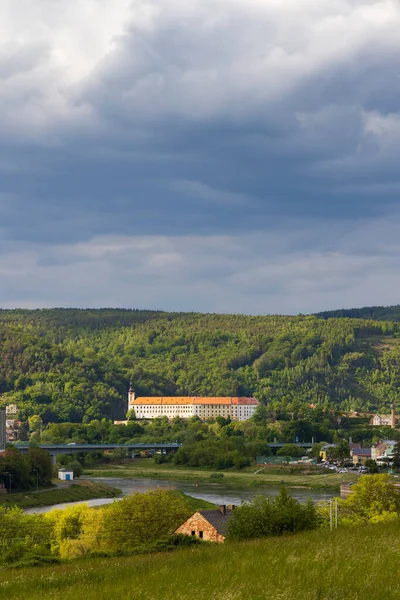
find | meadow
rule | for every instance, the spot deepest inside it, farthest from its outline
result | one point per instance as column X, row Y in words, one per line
column 253, row 476
column 358, row 563
column 84, row 490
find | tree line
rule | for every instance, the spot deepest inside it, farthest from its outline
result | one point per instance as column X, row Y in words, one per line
column 20, row 472
column 147, row 522
column 69, row 365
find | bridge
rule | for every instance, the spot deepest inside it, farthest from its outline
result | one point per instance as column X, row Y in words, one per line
column 56, row 449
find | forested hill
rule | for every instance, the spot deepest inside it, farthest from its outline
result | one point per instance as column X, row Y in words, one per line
column 377, row 313
column 74, row 365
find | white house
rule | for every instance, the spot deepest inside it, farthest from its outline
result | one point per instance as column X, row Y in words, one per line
column 380, row 420
column 65, row 474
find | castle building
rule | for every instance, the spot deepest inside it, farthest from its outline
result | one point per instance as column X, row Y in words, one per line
column 235, row 407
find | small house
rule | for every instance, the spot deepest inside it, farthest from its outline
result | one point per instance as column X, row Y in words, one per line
column 360, row 455
column 208, row 525
column 324, row 453
column 66, row 474
column 380, row 420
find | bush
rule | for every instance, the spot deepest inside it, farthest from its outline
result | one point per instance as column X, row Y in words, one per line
column 272, row 516
column 35, row 560
column 76, row 467
column 21, row 535
column 217, row 476
column 240, row 462
column 371, row 466
column 141, row 519
column 291, row 450
column 160, row 459
column 373, row 499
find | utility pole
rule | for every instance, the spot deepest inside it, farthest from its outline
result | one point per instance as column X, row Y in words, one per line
column 330, row 515
column 336, row 514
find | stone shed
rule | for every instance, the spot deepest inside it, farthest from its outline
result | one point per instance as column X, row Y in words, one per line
column 208, row 525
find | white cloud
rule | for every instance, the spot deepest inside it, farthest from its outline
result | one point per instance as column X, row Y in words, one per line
column 207, row 58
column 194, row 58
column 245, row 273
column 185, row 121
column 201, row 191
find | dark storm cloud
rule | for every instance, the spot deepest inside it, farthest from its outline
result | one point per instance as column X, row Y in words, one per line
column 189, row 122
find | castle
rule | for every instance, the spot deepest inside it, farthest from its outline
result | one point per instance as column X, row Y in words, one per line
column 149, row 407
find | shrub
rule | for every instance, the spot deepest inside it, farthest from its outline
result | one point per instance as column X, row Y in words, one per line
column 76, row 467
column 35, row 560
column 160, row 459
column 141, row 519
column 374, row 499
column 272, row 516
column 290, row 450
column 217, row 476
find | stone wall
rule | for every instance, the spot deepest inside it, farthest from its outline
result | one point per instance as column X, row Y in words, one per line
column 197, row 523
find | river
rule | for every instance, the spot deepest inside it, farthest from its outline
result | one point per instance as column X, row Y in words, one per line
column 217, row 493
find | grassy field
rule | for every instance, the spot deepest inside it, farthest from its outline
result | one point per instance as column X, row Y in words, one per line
column 359, row 563
column 195, row 503
column 83, row 490
column 146, row 468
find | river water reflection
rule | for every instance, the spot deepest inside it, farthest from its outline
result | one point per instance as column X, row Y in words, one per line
column 217, row 493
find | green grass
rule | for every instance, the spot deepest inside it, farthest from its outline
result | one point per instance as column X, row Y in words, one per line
column 84, row 490
column 359, row 563
column 195, row 503
column 146, row 468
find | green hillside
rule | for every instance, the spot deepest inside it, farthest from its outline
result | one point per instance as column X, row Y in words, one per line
column 358, row 563
column 73, row 365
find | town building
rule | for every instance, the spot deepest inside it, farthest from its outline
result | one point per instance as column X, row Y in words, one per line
column 360, row 455
column 236, row 407
column 3, row 435
column 324, row 452
column 11, row 411
column 12, row 424
column 385, row 420
column 380, row 420
column 382, row 452
column 208, row 525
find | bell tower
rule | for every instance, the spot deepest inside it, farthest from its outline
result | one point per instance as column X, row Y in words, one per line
column 131, row 395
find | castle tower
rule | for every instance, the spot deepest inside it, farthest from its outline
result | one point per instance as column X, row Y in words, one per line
column 131, row 395
column 393, row 419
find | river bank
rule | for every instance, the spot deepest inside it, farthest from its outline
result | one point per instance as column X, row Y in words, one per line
column 147, row 469
column 78, row 491
column 202, row 494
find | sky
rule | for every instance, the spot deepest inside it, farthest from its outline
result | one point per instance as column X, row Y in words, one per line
column 200, row 155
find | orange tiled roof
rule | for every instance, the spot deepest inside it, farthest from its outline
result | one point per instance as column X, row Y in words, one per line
column 243, row 400
column 174, row 400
